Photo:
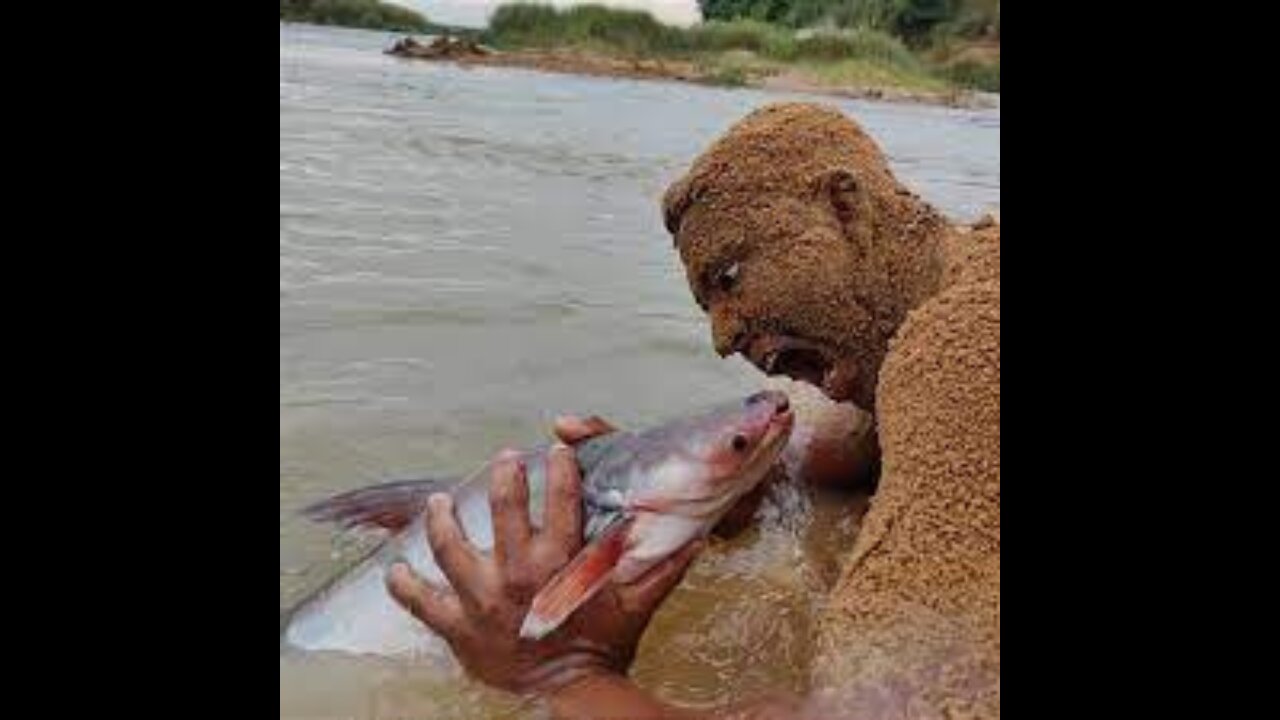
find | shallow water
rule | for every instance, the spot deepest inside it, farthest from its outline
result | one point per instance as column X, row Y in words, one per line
column 464, row 254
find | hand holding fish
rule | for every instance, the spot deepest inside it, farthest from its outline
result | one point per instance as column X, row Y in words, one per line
column 481, row 614
column 643, row 496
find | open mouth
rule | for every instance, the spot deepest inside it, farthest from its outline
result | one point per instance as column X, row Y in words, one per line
column 805, row 361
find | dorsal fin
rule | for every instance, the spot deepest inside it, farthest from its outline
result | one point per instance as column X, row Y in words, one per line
column 389, row 506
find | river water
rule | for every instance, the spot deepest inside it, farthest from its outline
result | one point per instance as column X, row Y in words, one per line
column 465, row 253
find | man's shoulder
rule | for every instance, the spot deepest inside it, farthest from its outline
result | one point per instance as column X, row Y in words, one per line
column 940, row 381
column 972, row 254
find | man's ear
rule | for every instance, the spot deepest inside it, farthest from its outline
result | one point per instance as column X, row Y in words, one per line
column 842, row 189
column 849, row 201
column 674, row 204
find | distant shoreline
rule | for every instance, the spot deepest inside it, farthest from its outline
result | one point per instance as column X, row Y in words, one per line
column 363, row 14
column 465, row 53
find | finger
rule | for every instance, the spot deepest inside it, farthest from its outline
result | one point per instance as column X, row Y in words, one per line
column 440, row 610
column 572, row 429
column 509, row 505
column 562, row 524
column 459, row 561
column 650, row 589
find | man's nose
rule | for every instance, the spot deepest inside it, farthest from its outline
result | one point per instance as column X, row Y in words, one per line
column 728, row 332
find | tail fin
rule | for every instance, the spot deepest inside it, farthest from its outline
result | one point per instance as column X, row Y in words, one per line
column 390, row 506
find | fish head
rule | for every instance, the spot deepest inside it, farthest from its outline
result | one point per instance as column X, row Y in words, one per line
column 701, row 463
column 676, row 480
column 739, row 436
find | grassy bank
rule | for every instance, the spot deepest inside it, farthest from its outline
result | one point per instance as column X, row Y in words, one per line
column 738, row 51
column 966, row 62
column 354, row 13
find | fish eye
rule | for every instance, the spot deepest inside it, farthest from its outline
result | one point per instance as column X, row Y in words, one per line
column 739, row 442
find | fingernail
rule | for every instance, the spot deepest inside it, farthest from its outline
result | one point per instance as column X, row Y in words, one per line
column 438, row 501
column 397, row 569
column 559, row 447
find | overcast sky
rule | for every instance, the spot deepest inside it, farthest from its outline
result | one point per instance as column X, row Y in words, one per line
column 475, row 12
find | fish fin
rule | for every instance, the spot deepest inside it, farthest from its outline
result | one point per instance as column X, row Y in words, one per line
column 599, row 519
column 577, row 582
column 389, row 506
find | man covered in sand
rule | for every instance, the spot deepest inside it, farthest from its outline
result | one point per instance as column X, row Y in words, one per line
column 811, row 261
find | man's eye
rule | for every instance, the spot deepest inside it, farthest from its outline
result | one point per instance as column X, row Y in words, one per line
column 727, row 278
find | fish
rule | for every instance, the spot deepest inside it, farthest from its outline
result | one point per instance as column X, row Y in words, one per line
column 645, row 494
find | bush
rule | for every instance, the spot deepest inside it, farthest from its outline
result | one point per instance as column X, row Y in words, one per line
column 859, row 44
column 970, row 74
column 911, row 20
column 531, row 25
column 354, row 13
column 866, row 52
column 758, row 37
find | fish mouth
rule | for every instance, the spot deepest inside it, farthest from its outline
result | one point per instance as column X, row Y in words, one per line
column 749, row 473
column 778, row 432
column 775, row 438
column 805, row 361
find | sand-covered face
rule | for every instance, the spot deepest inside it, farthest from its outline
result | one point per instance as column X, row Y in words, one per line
column 780, row 292
column 801, row 247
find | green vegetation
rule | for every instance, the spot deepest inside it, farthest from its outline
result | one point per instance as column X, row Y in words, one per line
column 593, row 27
column 973, row 74
column 925, row 45
column 945, row 31
column 733, row 51
column 915, row 21
column 354, row 13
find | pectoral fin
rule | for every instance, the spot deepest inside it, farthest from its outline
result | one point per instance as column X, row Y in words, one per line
column 577, row 582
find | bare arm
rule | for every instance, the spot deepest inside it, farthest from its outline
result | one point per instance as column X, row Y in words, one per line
column 584, row 699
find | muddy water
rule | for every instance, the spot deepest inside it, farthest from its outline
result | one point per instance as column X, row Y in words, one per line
column 465, row 253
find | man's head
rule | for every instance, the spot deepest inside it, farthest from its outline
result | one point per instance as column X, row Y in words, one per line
column 802, row 247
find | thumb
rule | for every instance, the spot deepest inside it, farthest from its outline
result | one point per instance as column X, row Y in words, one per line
column 571, row 430
column 648, row 592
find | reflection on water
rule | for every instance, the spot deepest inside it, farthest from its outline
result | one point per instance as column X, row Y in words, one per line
column 464, row 254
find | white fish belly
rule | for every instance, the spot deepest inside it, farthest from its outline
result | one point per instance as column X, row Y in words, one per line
column 358, row 615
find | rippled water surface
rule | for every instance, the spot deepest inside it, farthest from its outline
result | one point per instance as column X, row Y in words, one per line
column 465, row 253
